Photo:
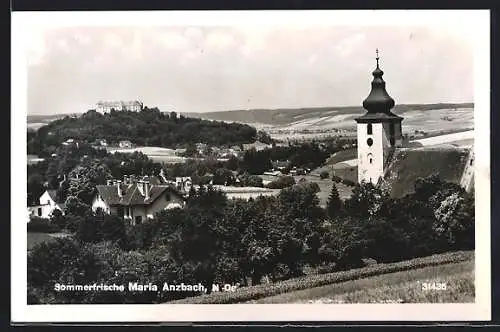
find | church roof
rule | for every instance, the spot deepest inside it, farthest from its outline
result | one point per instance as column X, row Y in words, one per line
column 409, row 164
column 378, row 103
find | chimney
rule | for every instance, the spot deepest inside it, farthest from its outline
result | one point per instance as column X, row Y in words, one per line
column 147, row 187
column 119, row 188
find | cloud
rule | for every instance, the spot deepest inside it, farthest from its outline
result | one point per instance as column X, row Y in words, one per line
column 254, row 66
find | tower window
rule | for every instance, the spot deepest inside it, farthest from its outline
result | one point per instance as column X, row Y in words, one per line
column 371, row 161
column 369, row 129
column 369, row 141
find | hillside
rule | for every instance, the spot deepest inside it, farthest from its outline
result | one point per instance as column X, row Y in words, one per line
column 410, row 164
column 455, row 267
column 397, row 287
column 287, row 116
column 149, row 127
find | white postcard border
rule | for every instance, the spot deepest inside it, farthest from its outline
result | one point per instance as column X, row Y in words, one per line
column 478, row 20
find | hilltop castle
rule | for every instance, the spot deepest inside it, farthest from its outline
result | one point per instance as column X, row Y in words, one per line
column 106, row 106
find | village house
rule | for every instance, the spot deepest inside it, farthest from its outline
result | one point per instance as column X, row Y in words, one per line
column 47, row 204
column 125, row 144
column 136, row 199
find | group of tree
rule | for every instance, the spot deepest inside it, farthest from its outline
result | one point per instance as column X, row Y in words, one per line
column 216, row 240
column 150, row 127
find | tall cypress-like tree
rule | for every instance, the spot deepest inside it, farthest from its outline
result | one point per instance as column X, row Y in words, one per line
column 334, row 204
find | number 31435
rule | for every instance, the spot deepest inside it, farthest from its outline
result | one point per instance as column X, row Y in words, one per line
column 433, row 286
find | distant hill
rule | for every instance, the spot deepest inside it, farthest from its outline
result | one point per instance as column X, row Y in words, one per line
column 40, row 118
column 149, row 127
column 285, row 116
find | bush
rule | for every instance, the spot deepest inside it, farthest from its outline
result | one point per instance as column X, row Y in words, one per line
column 41, row 225
column 311, row 281
column 324, row 175
column 336, row 179
column 348, row 182
column 282, row 182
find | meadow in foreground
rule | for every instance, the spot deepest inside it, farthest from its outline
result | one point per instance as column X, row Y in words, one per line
column 398, row 287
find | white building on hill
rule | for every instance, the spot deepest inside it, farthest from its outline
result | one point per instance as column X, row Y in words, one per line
column 107, row 106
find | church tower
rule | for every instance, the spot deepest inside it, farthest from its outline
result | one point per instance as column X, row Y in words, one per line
column 379, row 131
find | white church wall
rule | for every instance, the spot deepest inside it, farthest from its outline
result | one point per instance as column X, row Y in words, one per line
column 370, row 158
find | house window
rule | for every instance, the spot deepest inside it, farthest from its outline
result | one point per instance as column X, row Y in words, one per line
column 369, row 129
column 39, row 212
column 138, row 220
column 471, row 161
column 369, row 141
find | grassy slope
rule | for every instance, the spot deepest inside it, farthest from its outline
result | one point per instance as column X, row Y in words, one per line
column 408, row 165
column 399, row 287
column 262, row 291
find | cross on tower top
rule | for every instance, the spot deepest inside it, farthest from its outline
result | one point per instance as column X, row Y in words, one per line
column 377, row 58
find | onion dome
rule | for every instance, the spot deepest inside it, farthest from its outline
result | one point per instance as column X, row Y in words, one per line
column 378, row 101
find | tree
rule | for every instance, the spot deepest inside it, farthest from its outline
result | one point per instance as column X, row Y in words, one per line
column 76, row 207
column 223, row 176
column 264, row 137
column 89, row 228
column 84, row 179
column 256, row 162
column 426, row 187
column 35, row 188
column 366, row 200
column 191, row 150
column 112, row 229
column 57, row 218
column 334, row 204
column 455, row 221
column 282, row 182
column 48, row 263
column 193, row 234
column 233, row 163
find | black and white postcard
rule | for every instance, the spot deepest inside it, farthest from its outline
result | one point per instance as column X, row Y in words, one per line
column 250, row 166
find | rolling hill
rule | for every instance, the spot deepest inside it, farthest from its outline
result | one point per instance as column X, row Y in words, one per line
column 288, row 116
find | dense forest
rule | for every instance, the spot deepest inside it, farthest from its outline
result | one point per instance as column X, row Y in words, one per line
column 149, row 127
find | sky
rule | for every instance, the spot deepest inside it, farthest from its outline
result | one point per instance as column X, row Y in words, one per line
column 199, row 68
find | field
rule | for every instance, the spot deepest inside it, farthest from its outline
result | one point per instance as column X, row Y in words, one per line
column 325, row 186
column 398, row 287
column 309, row 123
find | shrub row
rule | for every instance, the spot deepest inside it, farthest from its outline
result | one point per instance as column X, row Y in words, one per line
column 311, row 281
column 41, row 225
column 347, row 182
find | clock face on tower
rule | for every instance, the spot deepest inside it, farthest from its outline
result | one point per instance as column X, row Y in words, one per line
column 369, row 141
